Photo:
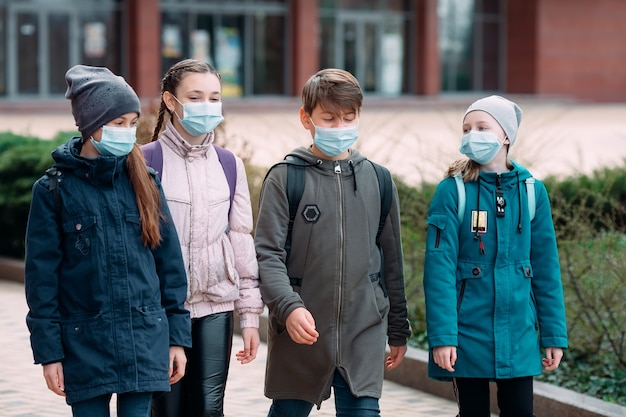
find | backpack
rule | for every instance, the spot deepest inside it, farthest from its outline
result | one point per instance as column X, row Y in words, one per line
column 530, row 189
column 295, row 188
column 153, row 153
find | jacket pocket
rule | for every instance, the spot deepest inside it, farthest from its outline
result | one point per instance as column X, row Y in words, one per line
column 527, row 271
column 438, row 222
column 88, row 356
column 468, row 273
column 151, row 334
column 80, row 235
column 382, row 302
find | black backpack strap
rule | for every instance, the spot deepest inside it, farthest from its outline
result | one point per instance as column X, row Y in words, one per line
column 385, row 187
column 295, row 189
column 54, row 176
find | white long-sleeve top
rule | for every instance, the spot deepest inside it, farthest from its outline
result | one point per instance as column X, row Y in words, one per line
column 218, row 250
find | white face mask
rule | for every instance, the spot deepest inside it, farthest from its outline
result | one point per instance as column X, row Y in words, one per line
column 116, row 141
column 480, row 147
column 200, row 118
column 333, row 141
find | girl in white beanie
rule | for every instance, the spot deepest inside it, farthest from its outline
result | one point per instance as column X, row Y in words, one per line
column 492, row 281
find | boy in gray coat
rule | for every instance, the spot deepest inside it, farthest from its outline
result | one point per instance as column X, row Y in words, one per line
column 335, row 295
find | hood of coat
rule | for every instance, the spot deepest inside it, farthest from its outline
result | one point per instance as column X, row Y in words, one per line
column 348, row 167
column 326, row 165
column 508, row 179
column 102, row 170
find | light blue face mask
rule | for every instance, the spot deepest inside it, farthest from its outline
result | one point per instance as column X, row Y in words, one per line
column 200, row 118
column 480, row 147
column 333, row 141
column 116, row 141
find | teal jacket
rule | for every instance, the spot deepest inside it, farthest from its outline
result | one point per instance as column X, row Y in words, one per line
column 499, row 305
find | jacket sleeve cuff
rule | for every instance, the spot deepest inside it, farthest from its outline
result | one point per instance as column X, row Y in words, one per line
column 249, row 320
column 435, row 341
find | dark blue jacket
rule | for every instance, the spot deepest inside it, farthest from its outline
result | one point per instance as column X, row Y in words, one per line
column 101, row 302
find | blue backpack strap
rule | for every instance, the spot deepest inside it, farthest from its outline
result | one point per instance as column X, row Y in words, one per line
column 153, row 154
column 460, row 186
column 54, row 177
column 530, row 190
column 229, row 165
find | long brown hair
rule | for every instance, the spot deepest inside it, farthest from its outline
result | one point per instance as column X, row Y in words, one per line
column 170, row 82
column 147, row 197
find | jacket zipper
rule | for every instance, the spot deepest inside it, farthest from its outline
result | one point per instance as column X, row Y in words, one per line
column 341, row 251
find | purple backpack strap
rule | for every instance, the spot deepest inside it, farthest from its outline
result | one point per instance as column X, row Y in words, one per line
column 153, row 154
column 229, row 165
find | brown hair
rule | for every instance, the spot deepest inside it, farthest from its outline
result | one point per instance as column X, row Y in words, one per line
column 170, row 82
column 147, row 197
column 333, row 90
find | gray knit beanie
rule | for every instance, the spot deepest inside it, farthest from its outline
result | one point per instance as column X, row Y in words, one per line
column 98, row 96
column 506, row 113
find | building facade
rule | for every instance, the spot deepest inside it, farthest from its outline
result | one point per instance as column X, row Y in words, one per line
column 569, row 48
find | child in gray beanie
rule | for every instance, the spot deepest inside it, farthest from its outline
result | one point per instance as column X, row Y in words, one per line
column 507, row 113
column 103, row 261
column 492, row 282
column 98, row 96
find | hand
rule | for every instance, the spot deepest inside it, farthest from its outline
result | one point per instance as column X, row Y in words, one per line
column 178, row 363
column 396, row 354
column 251, row 341
column 301, row 327
column 552, row 359
column 445, row 357
column 53, row 374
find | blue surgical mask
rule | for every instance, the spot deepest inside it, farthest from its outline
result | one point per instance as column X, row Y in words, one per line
column 333, row 141
column 116, row 141
column 200, row 118
column 480, row 147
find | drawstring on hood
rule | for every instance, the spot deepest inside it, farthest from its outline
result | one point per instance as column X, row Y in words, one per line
column 478, row 234
column 351, row 165
column 519, row 203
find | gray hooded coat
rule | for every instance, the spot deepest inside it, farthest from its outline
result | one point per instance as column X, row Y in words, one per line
column 333, row 270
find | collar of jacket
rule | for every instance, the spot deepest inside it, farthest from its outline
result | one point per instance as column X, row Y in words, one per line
column 173, row 140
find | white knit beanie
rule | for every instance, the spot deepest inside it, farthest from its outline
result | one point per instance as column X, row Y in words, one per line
column 506, row 113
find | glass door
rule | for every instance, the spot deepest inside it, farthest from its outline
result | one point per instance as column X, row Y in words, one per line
column 372, row 47
column 358, row 49
column 39, row 53
column 44, row 40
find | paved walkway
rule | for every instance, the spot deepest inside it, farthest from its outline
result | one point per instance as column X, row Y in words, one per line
column 23, row 392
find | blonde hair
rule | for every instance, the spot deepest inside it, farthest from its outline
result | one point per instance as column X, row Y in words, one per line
column 467, row 169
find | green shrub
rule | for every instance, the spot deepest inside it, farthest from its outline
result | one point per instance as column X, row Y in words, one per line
column 23, row 159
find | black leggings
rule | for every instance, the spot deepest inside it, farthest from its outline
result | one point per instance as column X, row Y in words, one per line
column 201, row 391
column 515, row 397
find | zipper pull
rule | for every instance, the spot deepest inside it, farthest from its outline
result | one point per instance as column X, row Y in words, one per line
column 337, row 167
column 500, row 201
